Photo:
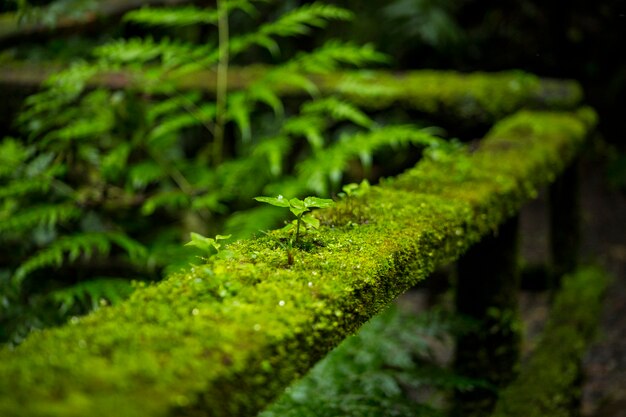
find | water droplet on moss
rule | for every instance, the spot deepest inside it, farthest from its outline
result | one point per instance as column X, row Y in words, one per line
column 281, row 303
column 195, row 311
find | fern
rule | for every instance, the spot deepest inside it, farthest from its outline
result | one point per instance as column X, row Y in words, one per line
column 75, row 246
column 169, row 53
column 334, row 54
column 379, row 371
column 296, row 22
column 12, row 155
column 184, row 16
column 93, row 293
column 45, row 214
column 329, row 164
column 339, row 110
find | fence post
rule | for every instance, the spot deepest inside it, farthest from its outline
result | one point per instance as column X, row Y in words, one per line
column 487, row 292
column 565, row 220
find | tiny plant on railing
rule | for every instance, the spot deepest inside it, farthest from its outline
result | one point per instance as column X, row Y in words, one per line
column 209, row 245
column 299, row 208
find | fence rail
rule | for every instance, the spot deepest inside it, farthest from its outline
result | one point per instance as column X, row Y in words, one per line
column 225, row 338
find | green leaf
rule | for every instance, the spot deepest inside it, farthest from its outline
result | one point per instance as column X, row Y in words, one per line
column 311, row 221
column 318, row 202
column 297, row 207
column 279, row 201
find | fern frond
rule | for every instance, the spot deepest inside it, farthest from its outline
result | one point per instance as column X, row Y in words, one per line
column 171, row 105
column 174, row 199
column 175, row 123
column 335, row 54
column 172, row 16
column 135, row 250
column 310, row 126
column 60, row 89
column 184, row 15
column 293, row 23
column 299, row 21
column 330, row 163
column 263, row 92
column 20, row 188
column 46, row 214
column 88, row 127
column 144, row 173
column 170, row 53
column 75, row 246
column 13, row 154
column 339, row 110
column 274, row 151
column 92, row 292
column 238, row 110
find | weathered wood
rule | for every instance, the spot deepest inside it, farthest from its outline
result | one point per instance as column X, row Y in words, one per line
column 226, row 337
column 465, row 99
column 13, row 32
column 487, row 292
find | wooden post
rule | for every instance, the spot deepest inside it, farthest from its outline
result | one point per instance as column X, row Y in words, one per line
column 487, row 293
column 565, row 220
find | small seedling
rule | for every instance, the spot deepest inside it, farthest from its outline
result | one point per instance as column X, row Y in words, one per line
column 299, row 208
column 353, row 190
column 207, row 244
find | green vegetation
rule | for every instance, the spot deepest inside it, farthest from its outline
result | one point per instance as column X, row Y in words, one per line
column 162, row 131
column 107, row 184
column 389, row 367
column 549, row 385
column 298, row 208
column 229, row 335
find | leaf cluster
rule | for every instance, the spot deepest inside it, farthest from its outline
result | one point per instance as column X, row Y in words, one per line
column 108, row 183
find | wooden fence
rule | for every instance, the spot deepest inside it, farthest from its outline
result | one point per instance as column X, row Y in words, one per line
column 225, row 338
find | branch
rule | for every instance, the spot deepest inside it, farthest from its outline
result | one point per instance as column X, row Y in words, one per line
column 12, row 32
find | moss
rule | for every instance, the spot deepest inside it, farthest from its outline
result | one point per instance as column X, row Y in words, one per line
column 473, row 97
column 227, row 337
column 548, row 386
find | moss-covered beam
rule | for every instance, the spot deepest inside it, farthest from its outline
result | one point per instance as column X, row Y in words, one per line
column 549, row 384
column 226, row 337
column 478, row 98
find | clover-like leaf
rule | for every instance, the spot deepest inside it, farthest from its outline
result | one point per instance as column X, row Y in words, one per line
column 279, row 201
column 318, row 202
column 297, row 207
column 311, row 221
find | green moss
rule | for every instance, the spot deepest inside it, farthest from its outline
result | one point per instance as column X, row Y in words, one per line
column 228, row 336
column 473, row 98
column 548, row 385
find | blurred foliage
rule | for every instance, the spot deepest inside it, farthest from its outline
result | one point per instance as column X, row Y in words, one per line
column 394, row 366
column 105, row 185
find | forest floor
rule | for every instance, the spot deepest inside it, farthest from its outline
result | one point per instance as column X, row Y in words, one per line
column 603, row 243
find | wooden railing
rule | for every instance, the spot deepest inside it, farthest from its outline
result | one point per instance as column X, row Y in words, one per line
column 225, row 338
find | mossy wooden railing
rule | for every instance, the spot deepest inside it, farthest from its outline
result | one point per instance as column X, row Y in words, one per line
column 225, row 338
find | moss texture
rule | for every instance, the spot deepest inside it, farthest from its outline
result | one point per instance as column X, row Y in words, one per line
column 549, row 385
column 226, row 337
column 473, row 98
